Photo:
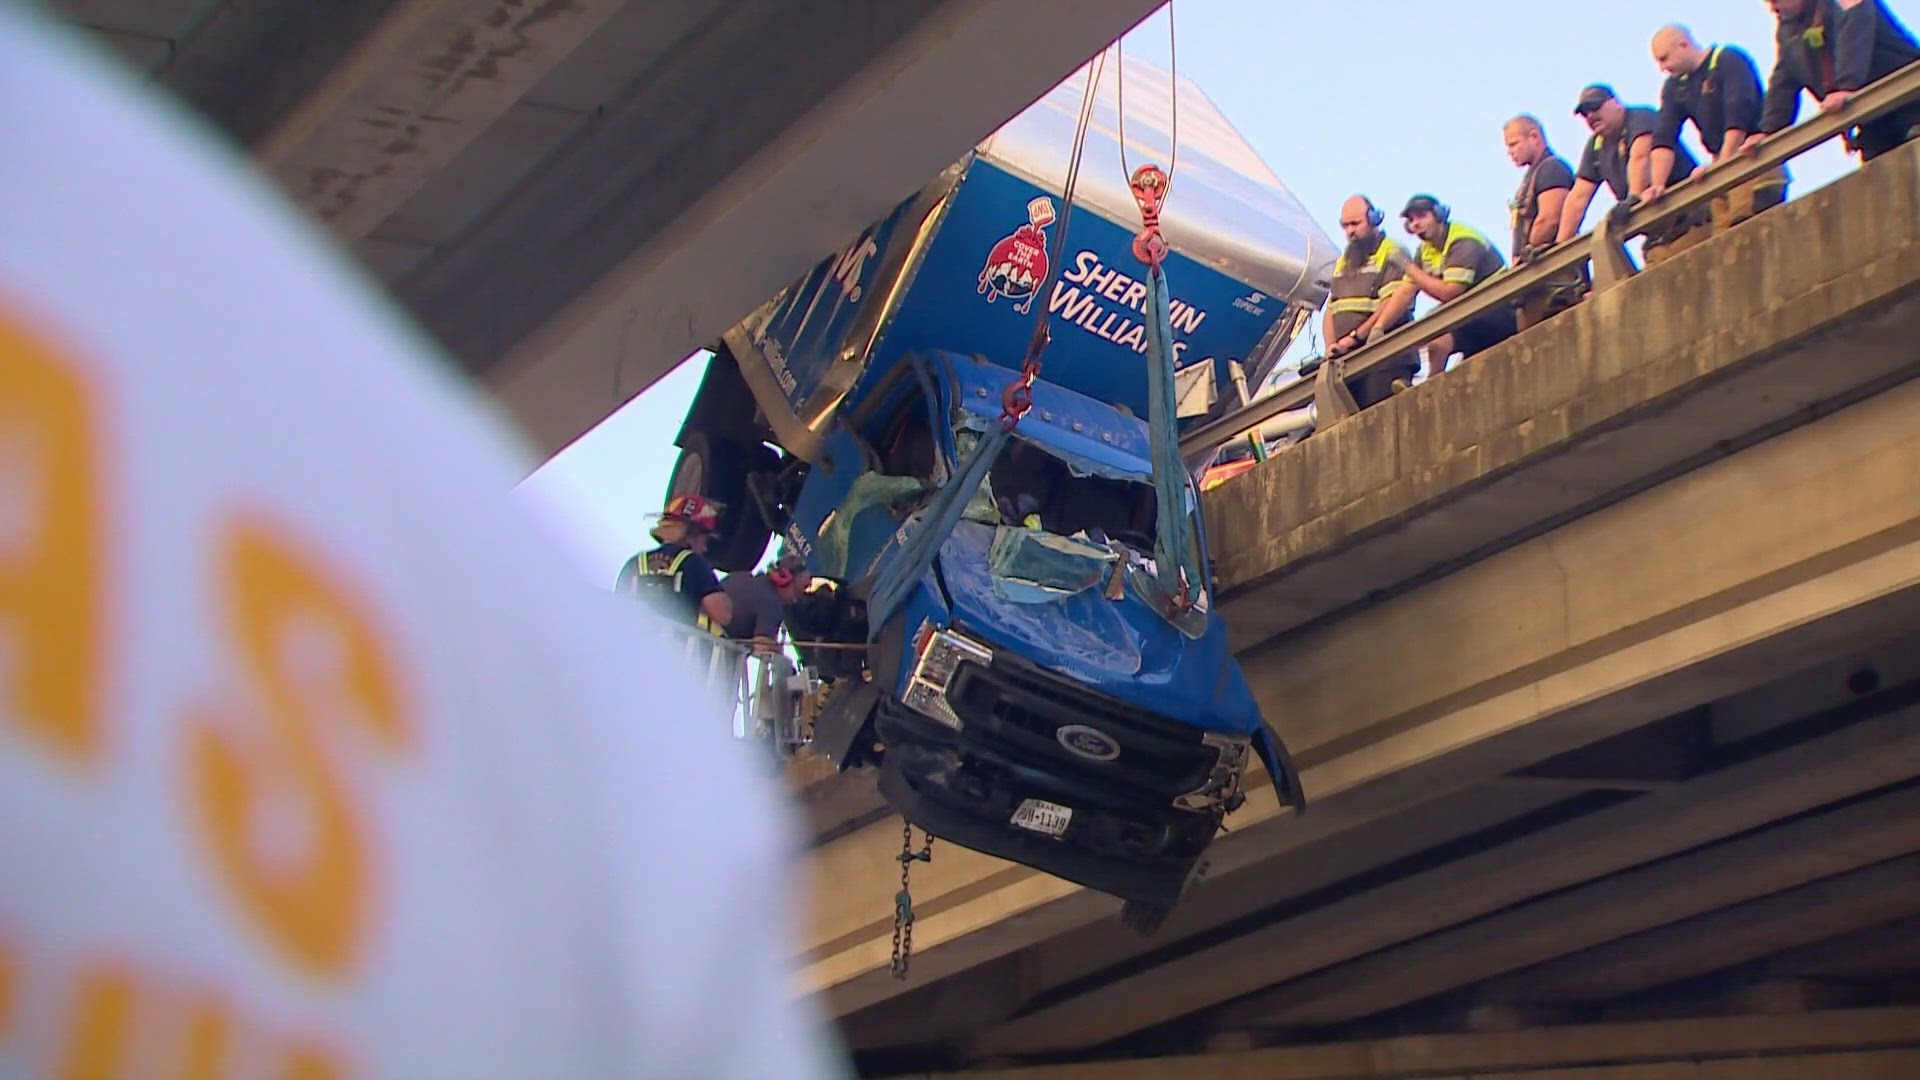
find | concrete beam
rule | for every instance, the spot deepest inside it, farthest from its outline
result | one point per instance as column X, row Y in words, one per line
column 1760, row 864
column 1005, row 986
column 1706, row 810
column 1761, row 328
column 1717, row 1048
column 851, row 157
column 1882, row 953
column 1788, row 554
column 1690, row 948
column 429, row 80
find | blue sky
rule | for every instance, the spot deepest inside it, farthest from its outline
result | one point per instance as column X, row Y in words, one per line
column 1387, row 99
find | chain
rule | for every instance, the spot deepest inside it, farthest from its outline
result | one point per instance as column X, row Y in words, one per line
column 903, row 900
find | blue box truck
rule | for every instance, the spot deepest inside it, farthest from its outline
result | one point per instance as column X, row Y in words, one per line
column 1027, row 698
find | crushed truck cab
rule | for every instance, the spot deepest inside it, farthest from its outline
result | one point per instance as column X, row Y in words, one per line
column 1030, row 693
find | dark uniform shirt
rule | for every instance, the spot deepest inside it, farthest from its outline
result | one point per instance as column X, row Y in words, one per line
column 1363, row 276
column 1550, row 173
column 1724, row 92
column 691, row 582
column 1835, row 48
column 1605, row 160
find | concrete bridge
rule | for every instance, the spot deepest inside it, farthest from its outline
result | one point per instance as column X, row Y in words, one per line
column 574, row 195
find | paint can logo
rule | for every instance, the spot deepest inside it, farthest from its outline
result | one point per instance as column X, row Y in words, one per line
column 1018, row 263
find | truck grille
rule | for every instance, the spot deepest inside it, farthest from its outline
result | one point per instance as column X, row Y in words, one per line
column 1019, row 710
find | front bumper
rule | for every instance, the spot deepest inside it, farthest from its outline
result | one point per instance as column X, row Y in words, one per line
column 1146, row 855
column 1147, row 794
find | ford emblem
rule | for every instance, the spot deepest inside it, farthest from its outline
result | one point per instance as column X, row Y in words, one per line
column 1088, row 742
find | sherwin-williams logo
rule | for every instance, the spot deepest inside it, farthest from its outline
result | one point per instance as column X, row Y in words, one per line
column 1018, row 263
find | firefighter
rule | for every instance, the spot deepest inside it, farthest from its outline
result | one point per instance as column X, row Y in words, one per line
column 1831, row 49
column 1621, row 156
column 1370, row 296
column 1452, row 259
column 678, row 569
column 1718, row 90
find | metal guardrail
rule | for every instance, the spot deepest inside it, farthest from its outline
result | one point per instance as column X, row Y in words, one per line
column 1604, row 247
column 763, row 695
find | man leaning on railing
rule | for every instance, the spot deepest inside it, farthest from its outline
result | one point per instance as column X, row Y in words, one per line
column 1718, row 91
column 1831, row 49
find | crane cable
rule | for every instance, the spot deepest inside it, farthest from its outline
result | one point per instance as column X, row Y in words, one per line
column 1018, row 396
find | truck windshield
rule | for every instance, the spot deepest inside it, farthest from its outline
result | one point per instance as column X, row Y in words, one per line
column 1058, row 530
column 1032, row 488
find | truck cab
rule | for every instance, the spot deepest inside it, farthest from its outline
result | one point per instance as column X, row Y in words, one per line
column 1033, row 695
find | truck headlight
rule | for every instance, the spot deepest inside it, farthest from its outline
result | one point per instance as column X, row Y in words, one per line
column 938, row 654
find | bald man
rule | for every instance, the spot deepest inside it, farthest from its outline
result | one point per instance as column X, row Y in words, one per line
column 1718, row 90
column 1536, row 215
column 1370, row 296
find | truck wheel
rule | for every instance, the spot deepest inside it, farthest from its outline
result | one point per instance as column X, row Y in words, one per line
column 717, row 468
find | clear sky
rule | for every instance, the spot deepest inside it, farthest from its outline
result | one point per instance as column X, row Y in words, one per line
column 1386, row 98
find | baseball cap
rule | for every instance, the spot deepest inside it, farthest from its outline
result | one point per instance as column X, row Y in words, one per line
column 1591, row 98
column 1421, row 204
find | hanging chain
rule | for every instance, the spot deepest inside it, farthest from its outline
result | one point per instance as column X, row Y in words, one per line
column 903, row 900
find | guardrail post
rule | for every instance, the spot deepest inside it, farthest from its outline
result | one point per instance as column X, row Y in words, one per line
column 1609, row 259
column 1332, row 401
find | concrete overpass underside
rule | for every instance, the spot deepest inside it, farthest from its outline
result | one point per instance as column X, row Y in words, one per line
column 1601, row 659
column 574, row 195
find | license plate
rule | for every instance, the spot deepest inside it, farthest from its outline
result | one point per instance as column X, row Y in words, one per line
column 1043, row 817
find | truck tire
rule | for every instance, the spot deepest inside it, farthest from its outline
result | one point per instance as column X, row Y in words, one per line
column 717, row 468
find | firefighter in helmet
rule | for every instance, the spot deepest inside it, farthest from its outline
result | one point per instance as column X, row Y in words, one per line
column 677, row 574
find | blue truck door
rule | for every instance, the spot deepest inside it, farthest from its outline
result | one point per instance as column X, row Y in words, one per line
column 873, row 460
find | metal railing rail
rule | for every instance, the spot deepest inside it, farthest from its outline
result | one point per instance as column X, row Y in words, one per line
column 1604, row 246
column 762, row 694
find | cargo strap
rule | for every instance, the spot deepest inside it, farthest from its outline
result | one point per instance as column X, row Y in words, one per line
column 1175, row 547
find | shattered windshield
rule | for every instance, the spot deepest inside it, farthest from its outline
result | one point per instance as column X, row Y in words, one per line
column 1059, row 529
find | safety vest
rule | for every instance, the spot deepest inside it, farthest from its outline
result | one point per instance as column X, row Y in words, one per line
column 1358, row 290
column 1434, row 258
column 651, row 582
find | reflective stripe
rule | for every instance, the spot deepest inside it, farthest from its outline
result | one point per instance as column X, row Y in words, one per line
column 1357, row 290
column 1458, row 274
column 1432, row 257
column 700, row 618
